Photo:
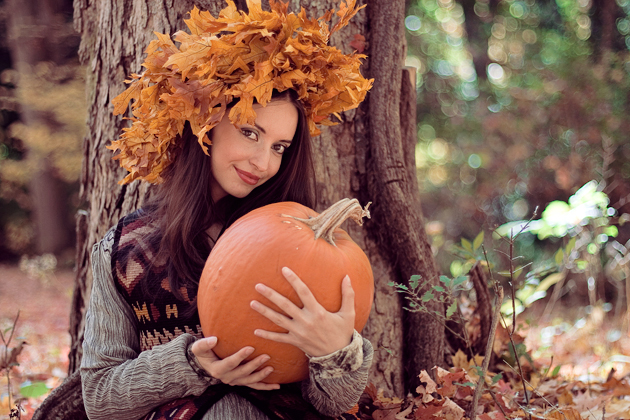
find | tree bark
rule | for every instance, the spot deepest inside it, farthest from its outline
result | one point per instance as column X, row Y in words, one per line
column 365, row 156
column 392, row 185
column 605, row 36
column 28, row 21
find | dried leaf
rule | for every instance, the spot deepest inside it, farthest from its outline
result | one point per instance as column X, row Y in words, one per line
column 11, row 359
column 426, row 388
column 565, row 414
column 493, row 415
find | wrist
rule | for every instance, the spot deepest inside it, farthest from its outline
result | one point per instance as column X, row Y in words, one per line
column 340, row 362
column 194, row 363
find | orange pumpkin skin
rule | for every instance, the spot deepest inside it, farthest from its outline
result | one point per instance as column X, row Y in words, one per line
column 254, row 250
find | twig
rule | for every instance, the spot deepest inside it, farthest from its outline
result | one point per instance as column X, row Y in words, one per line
column 498, row 298
column 6, row 342
column 553, row 406
column 520, row 368
column 466, row 337
column 414, row 296
column 6, row 354
column 496, row 401
column 512, row 285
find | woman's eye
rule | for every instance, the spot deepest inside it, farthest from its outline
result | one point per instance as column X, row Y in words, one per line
column 280, row 148
column 250, row 134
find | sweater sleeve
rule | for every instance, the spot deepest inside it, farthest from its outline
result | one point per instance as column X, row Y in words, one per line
column 118, row 380
column 336, row 381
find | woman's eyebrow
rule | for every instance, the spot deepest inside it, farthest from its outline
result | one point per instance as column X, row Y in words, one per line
column 260, row 128
column 264, row 132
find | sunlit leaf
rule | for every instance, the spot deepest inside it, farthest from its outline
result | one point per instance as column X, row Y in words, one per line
column 550, row 280
column 559, row 256
column 478, row 241
column 34, row 390
column 450, row 311
column 556, row 371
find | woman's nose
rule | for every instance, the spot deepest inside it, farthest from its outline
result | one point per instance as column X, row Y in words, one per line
column 260, row 159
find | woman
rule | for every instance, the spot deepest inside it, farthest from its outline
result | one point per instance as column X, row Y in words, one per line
column 144, row 352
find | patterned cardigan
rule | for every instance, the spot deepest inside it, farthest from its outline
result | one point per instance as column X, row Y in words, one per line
column 136, row 359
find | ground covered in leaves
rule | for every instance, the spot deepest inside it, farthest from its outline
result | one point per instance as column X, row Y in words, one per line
column 43, row 303
column 576, row 364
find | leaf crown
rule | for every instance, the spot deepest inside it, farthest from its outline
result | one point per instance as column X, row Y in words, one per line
column 236, row 57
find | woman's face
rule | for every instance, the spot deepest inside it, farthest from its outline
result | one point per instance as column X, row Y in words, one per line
column 244, row 157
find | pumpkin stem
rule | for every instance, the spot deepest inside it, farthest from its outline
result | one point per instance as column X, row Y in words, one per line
column 330, row 219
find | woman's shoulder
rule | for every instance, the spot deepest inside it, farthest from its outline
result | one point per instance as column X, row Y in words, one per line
column 134, row 227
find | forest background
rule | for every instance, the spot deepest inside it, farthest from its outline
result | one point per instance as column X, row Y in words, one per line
column 522, row 113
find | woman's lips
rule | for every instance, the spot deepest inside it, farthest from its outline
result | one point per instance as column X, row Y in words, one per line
column 248, row 178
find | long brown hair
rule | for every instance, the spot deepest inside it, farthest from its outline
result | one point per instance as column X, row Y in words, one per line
column 183, row 208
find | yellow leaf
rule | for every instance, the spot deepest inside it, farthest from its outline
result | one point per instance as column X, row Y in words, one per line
column 460, row 360
column 568, row 413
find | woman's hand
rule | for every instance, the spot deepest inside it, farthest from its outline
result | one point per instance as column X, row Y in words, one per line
column 312, row 328
column 230, row 370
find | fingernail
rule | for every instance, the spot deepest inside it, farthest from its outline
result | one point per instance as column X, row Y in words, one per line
column 286, row 270
column 254, row 304
column 265, row 359
column 261, row 287
column 212, row 340
column 347, row 279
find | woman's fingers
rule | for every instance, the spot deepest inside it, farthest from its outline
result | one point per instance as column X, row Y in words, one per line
column 347, row 299
column 246, row 369
column 289, row 308
column 204, row 346
column 275, row 336
column 233, row 370
column 302, row 290
column 249, row 375
column 312, row 328
column 261, row 386
column 233, row 361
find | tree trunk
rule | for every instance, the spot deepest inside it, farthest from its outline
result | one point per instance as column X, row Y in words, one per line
column 392, row 184
column 27, row 21
column 368, row 156
column 605, row 35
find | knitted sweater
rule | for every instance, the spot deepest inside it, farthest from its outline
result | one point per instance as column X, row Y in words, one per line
column 122, row 381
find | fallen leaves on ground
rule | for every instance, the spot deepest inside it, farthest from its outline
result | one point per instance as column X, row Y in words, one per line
column 43, row 324
column 448, row 394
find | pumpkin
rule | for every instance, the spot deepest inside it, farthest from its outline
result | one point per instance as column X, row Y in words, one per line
column 254, row 250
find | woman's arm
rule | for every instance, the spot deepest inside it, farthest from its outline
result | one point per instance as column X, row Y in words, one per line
column 118, row 380
column 336, row 381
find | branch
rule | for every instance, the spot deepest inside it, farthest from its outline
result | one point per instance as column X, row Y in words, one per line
column 498, row 298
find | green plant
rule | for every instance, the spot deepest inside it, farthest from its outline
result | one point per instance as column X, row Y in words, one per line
column 587, row 225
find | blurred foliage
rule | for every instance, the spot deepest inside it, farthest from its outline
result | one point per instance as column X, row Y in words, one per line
column 57, row 93
column 520, row 103
column 589, row 253
column 51, row 95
